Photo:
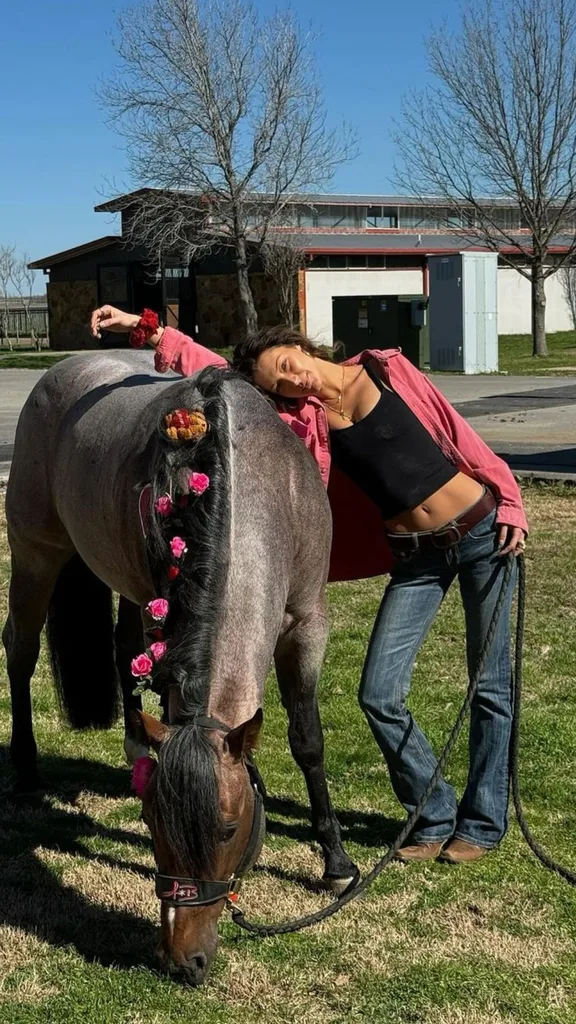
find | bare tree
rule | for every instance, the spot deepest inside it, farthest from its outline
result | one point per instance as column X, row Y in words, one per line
column 568, row 282
column 501, row 122
column 224, row 124
column 7, row 262
column 282, row 259
column 24, row 279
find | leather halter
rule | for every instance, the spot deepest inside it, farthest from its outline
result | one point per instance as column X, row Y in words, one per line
column 177, row 891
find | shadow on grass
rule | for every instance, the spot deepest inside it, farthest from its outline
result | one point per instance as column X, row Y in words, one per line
column 366, row 828
column 34, row 898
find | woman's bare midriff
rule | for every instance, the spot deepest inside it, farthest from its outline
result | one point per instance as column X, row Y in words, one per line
column 444, row 505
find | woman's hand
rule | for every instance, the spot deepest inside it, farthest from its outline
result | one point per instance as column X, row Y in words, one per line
column 511, row 540
column 109, row 318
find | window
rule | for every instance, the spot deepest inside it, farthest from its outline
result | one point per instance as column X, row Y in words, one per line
column 357, row 261
column 113, row 283
column 347, row 261
column 305, row 216
column 508, row 219
column 175, row 279
column 381, row 217
column 417, row 217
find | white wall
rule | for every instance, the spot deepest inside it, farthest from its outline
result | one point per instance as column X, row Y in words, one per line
column 513, row 298
column 322, row 285
column 514, row 313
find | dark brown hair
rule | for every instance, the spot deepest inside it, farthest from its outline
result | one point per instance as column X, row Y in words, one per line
column 247, row 352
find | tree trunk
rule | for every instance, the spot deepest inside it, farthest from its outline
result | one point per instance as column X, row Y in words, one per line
column 539, row 346
column 249, row 313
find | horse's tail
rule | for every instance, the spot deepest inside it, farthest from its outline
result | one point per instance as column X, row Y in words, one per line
column 201, row 518
column 80, row 632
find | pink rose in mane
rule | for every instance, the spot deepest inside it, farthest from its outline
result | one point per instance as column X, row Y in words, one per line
column 198, row 482
column 164, row 505
column 141, row 666
column 178, row 547
column 158, row 649
column 158, row 608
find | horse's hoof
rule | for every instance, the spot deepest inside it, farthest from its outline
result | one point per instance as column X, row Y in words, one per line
column 339, row 886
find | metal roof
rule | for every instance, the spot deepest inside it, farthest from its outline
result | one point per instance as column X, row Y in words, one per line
column 313, row 199
column 79, row 250
column 403, row 243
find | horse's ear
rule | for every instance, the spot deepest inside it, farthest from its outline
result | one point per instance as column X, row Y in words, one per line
column 148, row 730
column 245, row 737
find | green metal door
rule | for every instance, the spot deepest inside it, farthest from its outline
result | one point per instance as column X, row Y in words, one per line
column 365, row 321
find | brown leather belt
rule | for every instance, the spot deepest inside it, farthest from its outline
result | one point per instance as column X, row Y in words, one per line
column 403, row 545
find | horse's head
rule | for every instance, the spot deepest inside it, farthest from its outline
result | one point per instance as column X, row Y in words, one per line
column 205, row 816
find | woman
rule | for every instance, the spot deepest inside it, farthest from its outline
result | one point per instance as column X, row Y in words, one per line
column 414, row 491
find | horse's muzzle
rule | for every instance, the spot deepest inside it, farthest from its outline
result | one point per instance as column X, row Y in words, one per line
column 192, row 972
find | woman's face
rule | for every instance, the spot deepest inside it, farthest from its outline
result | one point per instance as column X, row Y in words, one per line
column 288, row 371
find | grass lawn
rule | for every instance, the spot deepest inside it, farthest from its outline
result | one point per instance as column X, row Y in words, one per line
column 430, row 944
column 44, row 360
column 29, row 360
column 515, row 354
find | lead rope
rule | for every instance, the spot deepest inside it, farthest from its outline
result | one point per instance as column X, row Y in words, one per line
column 537, row 850
column 286, row 927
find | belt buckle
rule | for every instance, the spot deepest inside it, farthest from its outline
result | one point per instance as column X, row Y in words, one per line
column 448, row 536
column 404, row 553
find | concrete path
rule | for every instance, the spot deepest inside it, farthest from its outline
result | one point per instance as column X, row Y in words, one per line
column 530, row 421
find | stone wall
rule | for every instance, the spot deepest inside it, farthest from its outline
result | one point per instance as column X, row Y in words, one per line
column 70, row 304
column 218, row 307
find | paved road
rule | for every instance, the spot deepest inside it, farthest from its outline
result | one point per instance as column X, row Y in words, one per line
column 530, row 421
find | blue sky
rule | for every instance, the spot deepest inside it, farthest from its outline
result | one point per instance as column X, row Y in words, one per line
column 58, row 158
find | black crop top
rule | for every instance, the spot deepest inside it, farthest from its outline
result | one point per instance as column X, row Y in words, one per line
column 390, row 455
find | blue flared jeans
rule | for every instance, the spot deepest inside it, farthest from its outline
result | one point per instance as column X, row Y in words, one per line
column 412, row 599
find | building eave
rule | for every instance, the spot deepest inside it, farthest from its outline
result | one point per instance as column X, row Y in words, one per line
column 79, row 250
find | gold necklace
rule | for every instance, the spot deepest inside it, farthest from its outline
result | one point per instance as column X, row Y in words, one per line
column 343, row 415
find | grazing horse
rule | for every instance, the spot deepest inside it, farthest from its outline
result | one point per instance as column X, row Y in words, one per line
column 244, row 584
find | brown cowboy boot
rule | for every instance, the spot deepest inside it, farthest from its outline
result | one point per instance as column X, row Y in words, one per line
column 459, row 851
column 419, row 851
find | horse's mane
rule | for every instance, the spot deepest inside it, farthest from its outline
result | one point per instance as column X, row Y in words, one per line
column 186, row 803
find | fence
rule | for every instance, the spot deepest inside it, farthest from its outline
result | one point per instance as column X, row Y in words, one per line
column 17, row 324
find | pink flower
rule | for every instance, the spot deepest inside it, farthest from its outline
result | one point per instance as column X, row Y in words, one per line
column 198, row 482
column 164, row 505
column 173, row 572
column 142, row 772
column 158, row 649
column 178, row 547
column 158, row 608
column 141, row 666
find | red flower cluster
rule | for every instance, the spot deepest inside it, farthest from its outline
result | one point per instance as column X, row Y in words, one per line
column 147, row 325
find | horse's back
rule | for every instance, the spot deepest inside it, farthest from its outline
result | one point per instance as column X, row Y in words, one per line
column 75, row 436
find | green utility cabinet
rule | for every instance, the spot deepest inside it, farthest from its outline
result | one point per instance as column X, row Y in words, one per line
column 382, row 321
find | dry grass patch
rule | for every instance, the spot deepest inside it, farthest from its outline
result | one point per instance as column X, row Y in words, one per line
column 18, row 949
column 26, row 990
column 459, row 932
column 454, row 1015
column 111, row 887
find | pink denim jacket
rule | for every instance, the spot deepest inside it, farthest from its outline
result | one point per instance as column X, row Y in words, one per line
column 359, row 547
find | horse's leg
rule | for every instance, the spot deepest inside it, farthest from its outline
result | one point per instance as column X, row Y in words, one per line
column 31, row 585
column 129, row 639
column 299, row 655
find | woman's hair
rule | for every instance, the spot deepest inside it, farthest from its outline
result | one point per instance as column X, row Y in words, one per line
column 247, row 352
